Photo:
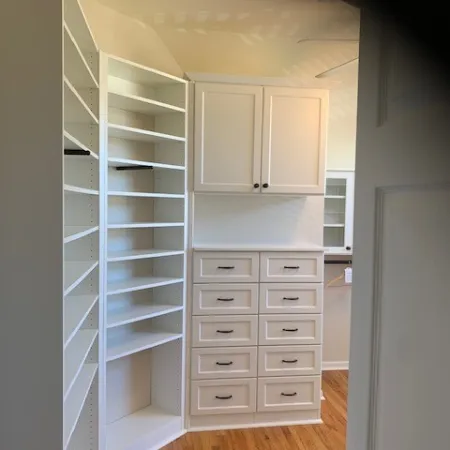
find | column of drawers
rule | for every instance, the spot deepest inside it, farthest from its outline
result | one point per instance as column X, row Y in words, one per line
column 256, row 332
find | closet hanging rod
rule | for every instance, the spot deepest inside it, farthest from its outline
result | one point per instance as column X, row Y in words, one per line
column 134, row 167
column 76, row 152
column 347, row 261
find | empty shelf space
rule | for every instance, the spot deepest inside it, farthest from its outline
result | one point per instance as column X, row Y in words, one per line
column 334, row 225
column 139, row 312
column 140, row 283
column 80, row 190
column 140, row 105
column 137, row 134
column 73, row 405
column 129, row 255
column 75, row 356
column 152, row 426
column 75, row 272
column 75, row 108
column 138, row 342
column 72, row 143
column 72, row 233
column 123, row 162
column 335, row 197
column 76, row 309
column 143, row 194
column 75, row 64
column 118, row 226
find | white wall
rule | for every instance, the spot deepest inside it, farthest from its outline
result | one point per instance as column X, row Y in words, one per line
column 128, row 38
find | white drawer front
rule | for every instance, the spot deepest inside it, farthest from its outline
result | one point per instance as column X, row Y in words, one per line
column 289, row 361
column 211, row 363
column 224, row 331
column 228, row 267
column 290, row 329
column 292, row 266
column 210, row 299
column 288, row 393
column 223, row 397
column 279, row 298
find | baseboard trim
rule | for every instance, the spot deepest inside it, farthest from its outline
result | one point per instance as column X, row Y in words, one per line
column 254, row 425
column 335, row 365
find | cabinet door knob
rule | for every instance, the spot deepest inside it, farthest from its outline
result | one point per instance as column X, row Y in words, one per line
column 265, row 185
column 256, row 185
column 348, row 248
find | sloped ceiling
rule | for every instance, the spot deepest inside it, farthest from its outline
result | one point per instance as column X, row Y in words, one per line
column 255, row 37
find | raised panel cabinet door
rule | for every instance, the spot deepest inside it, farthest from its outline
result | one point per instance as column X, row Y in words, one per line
column 294, row 141
column 228, row 128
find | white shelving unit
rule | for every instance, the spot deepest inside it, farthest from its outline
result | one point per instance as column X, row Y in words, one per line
column 338, row 221
column 143, row 118
column 82, row 296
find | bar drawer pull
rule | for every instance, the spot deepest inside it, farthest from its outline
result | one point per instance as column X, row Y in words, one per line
column 290, row 330
column 292, row 267
column 289, row 361
column 229, row 363
column 225, row 299
column 228, row 397
column 291, row 298
column 293, row 394
column 225, row 267
column 225, row 331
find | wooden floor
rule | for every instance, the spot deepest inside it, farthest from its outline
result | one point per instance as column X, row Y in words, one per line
column 329, row 436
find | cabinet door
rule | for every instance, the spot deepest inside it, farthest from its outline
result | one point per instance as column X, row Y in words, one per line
column 228, row 122
column 294, row 140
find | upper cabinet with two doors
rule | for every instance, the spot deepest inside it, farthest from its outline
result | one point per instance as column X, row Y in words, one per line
column 255, row 139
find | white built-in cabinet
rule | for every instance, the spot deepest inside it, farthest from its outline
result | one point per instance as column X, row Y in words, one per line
column 339, row 208
column 255, row 139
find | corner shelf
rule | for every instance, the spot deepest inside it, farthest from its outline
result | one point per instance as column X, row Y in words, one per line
column 140, row 135
column 129, row 255
column 138, row 313
column 75, row 108
column 76, row 309
column 72, row 143
column 137, row 225
column 72, row 233
column 75, row 272
column 80, row 190
column 140, row 283
column 124, row 162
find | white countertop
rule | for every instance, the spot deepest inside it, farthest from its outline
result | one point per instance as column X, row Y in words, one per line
column 256, row 248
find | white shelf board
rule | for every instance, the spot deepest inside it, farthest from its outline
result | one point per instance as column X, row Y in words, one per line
column 72, row 233
column 256, row 248
column 75, row 402
column 335, row 197
column 123, row 162
column 129, row 255
column 75, row 64
column 76, row 309
column 136, row 73
column 138, row 342
column 79, row 190
column 72, row 143
column 76, row 20
column 140, row 135
column 334, row 225
column 150, row 428
column 75, row 272
column 119, row 226
column 143, row 194
column 140, row 283
column 142, row 105
column 138, row 313
column 75, row 356
column 75, row 108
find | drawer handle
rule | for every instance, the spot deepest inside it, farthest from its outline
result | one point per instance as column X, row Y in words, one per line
column 228, row 397
column 225, row 267
column 291, row 298
column 229, row 363
column 289, row 361
column 225, row 331
column 292, row 267
column 290, row 330
column 225, row 299
column 293, row 394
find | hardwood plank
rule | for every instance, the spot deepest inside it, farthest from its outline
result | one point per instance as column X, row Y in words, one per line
column 329, row 436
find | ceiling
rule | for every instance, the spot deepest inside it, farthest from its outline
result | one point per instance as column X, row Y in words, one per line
column 255, row 37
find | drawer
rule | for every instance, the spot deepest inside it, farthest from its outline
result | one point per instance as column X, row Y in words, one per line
column 209, row 299
column 289, row 360
column 288, row 393
column 290, row 329
column 224, row 331
column 233, row 362
column 223, row 396
column 279, row 298
column 300, row 267
column 227, row 267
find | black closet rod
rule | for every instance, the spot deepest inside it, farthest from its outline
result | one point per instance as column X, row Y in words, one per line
column 134, row 167
column 77, row 152
column 336, row 261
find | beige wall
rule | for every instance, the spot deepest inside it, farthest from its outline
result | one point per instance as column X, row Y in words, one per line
column 128, row 38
